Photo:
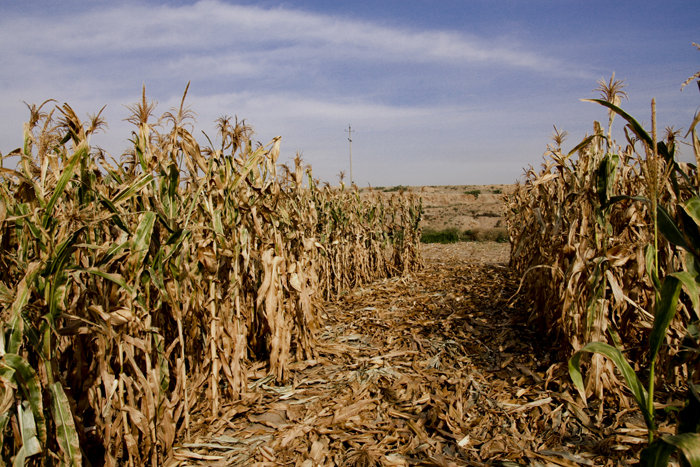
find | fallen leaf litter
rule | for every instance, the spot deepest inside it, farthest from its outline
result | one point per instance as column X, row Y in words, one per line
column 435, row 368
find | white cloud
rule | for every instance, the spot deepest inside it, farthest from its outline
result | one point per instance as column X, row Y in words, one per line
column 223, row 31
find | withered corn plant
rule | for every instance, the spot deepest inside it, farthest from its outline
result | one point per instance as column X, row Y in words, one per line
column 138, row 291
column 606, row 237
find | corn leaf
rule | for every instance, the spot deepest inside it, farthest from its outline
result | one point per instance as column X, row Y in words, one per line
column 606, row 177
column 63, row 251
column 27, row 427
column 116, row 278
column 633, row 383
column 636, row 127
column 692, row 207
column 66, row 433
column 4, row 418
column 63, row 181
column 650, row 264
column 24, row 290
column 691, row 287
column 669, row 229
column 28, row 382
column 129, row 191
column 690, row 230
column 142, row 236
column 664, row 313
column 115, row 213
column 659, row 452
column 586, row 141
column 111, row 251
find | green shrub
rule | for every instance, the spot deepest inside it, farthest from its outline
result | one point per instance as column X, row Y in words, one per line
column 440, row 236
column 452, row 235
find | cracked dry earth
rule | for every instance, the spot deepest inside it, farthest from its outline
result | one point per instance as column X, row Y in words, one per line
column 437, row 368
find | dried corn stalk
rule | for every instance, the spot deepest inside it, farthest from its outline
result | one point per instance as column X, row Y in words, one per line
column 137, row 292
column 588, row 264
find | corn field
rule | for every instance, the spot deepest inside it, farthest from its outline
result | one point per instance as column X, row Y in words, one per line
column 137, row 292
column 596, row 231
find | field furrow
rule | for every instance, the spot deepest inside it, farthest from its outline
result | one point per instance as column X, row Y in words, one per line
column 435, row 368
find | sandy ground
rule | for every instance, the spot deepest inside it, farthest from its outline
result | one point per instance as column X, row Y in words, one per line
column 462, row 207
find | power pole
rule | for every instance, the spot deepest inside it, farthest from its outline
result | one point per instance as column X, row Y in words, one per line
column 350, row 141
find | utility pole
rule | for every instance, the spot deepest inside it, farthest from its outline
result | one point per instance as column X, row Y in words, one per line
column 350, row 141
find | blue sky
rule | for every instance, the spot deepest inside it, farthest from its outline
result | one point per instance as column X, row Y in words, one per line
column 438, row 92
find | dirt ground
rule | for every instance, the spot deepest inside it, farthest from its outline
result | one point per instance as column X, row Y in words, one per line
column 462, row 207
column 438, row 368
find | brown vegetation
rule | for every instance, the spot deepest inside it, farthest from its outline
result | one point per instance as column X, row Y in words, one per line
column 135, row 293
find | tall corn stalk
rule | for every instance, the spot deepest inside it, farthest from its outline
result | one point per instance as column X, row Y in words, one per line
column 600, row 234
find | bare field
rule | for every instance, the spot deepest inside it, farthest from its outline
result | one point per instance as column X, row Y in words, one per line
column 478, row 208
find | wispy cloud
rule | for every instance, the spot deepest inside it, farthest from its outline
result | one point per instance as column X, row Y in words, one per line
column 224, row 31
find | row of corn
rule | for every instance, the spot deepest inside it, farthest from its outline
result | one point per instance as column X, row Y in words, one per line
column 137, row 290
column 606, row 237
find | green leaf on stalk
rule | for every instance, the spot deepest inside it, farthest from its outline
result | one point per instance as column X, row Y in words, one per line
column 218, row 226
column 693, row 265
column 636, row 127
column 24, row 291
column 692, row 207
column 66, row 434
column 173, row 181
column 4, row 418
column 659, row 452
column 115, row 213
column 142, row 236
column 119, row 280
column 633, row 383
column 56, row 294
column 606, row 177
column 30, row 444
column 116, row 278
column 669, row 229
column 650, row 264
column 690, row 230
column 581, row 145
column 129, row 191
column 60, row 257
column 28, row 382
column 692, row 287
column 175, row 242
column 664, row 313
column 63, row 181
column 664, row 152
column 111, row 251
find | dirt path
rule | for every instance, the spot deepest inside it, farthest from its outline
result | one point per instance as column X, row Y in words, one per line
column 432, row 369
